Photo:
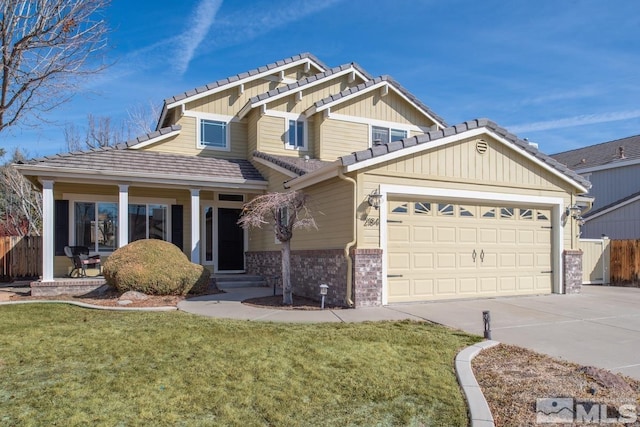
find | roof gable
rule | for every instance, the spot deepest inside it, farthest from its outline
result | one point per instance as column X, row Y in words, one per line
column 303, row 84
column 383, row 83
column 385, row 152
column 238, row 79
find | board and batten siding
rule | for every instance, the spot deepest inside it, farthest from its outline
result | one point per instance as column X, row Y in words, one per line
column 620, row 224
column 340, row 138
column 230, row 101
column 390, row 108
column 313, row 94
column 185, row 143
column 611, row 185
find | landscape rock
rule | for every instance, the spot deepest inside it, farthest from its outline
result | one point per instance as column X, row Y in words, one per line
column 134, row 295
column 125, row 302
column 606, row 379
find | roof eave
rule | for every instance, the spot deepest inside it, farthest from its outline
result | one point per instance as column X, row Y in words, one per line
column 324, row 173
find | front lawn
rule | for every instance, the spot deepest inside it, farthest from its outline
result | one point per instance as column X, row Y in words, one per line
column 63, row 365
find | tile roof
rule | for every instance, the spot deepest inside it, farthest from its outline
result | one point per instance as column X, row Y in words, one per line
column 243, row 75
column 372, row 82
column 119, row 159
column 380, row 150
column 601, row 154
column 307, row 80
column 297, row 165
column 140, row 139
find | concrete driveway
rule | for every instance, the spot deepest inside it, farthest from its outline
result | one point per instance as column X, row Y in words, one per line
column 599, row 327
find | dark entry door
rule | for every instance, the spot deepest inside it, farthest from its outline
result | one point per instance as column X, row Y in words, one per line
column 230, row 240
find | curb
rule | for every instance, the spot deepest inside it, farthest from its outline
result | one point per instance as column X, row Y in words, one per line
column 91, row 306
column 479, row 411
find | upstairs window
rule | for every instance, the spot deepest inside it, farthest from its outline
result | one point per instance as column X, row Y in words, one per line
column 384, row 135
column 295, row 135
column 213, row 134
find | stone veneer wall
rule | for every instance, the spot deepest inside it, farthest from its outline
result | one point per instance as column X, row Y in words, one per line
column 572, row 270
column 66, row 287
column 311, row 268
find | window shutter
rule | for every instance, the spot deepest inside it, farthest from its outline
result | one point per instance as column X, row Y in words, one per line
column 61, row 226
column 177, row 226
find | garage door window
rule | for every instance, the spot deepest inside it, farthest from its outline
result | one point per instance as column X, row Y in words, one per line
column 422, row 208
column 445, row 210
column 526, row 214
column 397, row 207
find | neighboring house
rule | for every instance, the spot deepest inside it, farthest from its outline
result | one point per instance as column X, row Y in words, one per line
column 613, row 168
column 408, row 208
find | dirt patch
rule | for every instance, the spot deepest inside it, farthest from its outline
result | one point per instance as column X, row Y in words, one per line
column 299, row 303
column 512, row 378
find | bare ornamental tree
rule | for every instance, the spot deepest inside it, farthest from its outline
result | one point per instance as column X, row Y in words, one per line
column 285, row 212
column 48, row 47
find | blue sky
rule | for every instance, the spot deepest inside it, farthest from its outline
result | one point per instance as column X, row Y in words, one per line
column 563, row 73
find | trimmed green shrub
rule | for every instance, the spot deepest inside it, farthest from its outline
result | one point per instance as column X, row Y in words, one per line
column 154, row 267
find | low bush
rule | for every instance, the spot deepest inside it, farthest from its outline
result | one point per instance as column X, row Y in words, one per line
column 154, row 267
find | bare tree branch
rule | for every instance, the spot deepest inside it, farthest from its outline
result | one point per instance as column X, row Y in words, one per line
column 21, row 203
column 48, row 48
column 285, row 212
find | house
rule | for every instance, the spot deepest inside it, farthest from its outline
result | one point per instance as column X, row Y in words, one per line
column 408, row 208
column 613, row 168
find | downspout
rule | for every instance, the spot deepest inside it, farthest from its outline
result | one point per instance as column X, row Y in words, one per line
column 349, row 245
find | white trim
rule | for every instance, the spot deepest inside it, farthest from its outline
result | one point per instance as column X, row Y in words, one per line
column 195, row 226
column 280, row 78
column 244, row 80
column 210, row 116
column 183, row 181
column 154, row 140
column 305, row 135
column 319, row 175
column 123, row 215
column 454, row 138
column 79, row 197
column 227, row 133
column 48, row 230
column 612, row 165
column 612, row 208
column 311, row 111
column 556, row 204
column 351, row 70
column 275, row 167
column 381, row 123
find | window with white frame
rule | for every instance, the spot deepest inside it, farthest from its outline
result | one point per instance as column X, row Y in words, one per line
column 213, row 134
column 148, row 221
column 296, row 135
column 95, row 226
column 385, row 135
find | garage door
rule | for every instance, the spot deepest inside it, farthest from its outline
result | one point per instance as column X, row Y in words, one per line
column 441, row 250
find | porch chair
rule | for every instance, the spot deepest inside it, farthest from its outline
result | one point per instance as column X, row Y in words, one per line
column 79, row 256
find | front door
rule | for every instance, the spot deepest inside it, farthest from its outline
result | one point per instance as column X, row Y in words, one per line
column 230, row 240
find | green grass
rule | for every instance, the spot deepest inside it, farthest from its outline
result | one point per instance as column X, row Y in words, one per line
column 63, row 365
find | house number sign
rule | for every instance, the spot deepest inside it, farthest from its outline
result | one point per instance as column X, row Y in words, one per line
column 372, row 222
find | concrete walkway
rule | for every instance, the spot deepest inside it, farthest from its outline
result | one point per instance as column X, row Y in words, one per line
column 599, row 327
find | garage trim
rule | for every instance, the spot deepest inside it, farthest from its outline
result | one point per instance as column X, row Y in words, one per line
column 555, row 203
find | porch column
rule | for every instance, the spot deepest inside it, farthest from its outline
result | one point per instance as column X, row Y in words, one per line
column 195, row 226
column 48, row 247
column 123, row 215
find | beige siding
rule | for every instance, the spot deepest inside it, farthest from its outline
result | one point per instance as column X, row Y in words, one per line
column 390, row 108
column 311, row 95
column 340, row 138
column 230, row 102
column 271, row 133
column 332, row 207
column 252, row 132
column 186, row 142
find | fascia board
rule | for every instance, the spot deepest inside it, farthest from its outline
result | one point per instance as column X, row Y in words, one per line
column 378, row 85
column 612, row 208
column 242, row 81
column 181, row 180
column 612, row 165
column 319, row 175
column 454, row 138
column 154, row 140
column 275, row 167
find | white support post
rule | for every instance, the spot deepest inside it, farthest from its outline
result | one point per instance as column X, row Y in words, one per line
column 48, row 246
column 195, row 226
column 123, row 215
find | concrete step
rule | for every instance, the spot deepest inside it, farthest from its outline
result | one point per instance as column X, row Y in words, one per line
column 223, row 281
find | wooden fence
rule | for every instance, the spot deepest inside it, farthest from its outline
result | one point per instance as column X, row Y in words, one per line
column 625, row 261
column 20, row 257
